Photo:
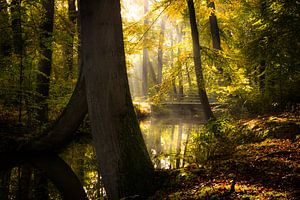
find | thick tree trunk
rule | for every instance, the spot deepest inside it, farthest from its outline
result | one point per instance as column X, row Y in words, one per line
column 44, row 65
column 120, row 148
column 160, row 51
column 145, row 54
column 208, row 114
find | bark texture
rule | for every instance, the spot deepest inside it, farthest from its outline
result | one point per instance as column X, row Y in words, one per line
column 124, row 162
column 208, row 114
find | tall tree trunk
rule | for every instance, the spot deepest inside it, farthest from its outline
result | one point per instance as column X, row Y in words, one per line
column 172, row 65
column 120, row 148
column 188, row 78
column 43, row 83
column 179, row 63
column 160, row 51
column 18, row 46
column 45, row 62
column 214, row 29
column 145, row 54
column 5, row 36
column 152, row 72
column 208, row 114
column 69, row 54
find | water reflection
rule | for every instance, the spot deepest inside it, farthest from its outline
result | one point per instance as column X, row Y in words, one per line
column 167, row 140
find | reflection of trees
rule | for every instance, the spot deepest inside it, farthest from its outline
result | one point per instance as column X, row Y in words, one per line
column 178, row 147
column 168, row 151
column 52, row 166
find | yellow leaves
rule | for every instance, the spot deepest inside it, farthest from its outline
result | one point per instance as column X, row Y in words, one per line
column 276, row 7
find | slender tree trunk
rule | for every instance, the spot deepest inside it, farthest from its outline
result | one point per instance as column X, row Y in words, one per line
column 18, row 46
column 214, row 28
column 171, row 146
column 160, row 51
column 178, row 148
column 120, row 148
column 186, row 144
column 43, row 84
column 158, row 148
column 152, row 72
column 180, row 81
column 145, row 54
column 188, row 77
column 208, row 114
column 45, row 62
column 261, row 77
column 69, row 54
column 172, row 65
column 5, row 37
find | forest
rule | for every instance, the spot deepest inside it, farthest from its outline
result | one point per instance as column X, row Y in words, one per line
column 149, row 99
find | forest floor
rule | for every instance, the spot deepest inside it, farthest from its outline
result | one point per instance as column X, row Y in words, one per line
column 268, row 169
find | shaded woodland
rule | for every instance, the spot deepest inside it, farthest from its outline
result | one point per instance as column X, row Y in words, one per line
column 149, row 99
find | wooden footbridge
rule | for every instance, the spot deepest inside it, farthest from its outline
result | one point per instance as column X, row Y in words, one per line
column 181, row 105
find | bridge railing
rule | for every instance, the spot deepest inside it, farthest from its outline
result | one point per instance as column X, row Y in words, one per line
column 187, row 98
column 192, row 98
